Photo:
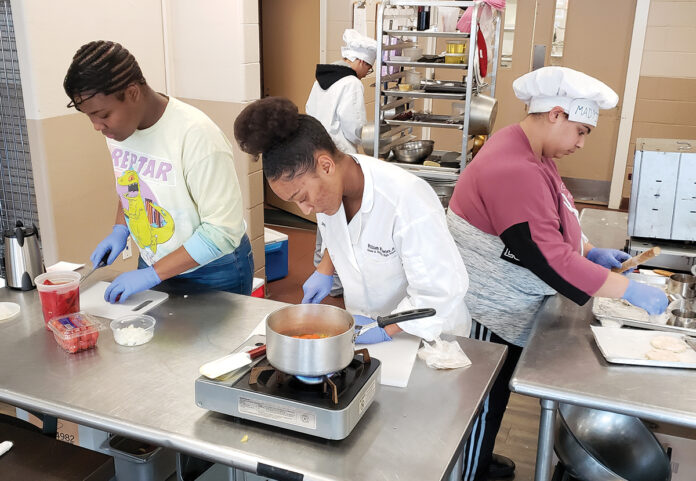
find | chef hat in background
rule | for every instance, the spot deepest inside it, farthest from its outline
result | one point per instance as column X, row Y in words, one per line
column 359, row 46
column 580, row 95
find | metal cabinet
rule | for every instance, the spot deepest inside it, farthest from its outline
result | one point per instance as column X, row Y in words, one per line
column 388, row 97
column 663, row 196
column 684, row 219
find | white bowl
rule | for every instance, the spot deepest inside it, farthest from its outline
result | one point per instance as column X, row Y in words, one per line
column 133, row 330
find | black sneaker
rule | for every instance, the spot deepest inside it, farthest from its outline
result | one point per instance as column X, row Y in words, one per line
column 501, row 467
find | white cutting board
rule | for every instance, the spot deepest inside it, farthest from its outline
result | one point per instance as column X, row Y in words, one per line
column 92, row 302
column 397, row 356
column 628, row 346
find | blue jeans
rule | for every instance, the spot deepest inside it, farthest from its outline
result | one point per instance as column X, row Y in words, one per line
column 231, row 273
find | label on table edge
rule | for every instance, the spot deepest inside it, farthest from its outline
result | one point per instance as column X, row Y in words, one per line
column 277, row 412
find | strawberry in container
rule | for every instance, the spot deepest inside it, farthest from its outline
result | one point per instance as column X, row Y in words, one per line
column 75, row 332
column 59, row 292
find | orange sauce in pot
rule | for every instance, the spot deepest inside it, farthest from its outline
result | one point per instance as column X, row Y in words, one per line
column 311, row 336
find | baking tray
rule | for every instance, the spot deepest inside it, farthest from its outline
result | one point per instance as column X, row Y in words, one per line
column 628, row 346
column 615, row 321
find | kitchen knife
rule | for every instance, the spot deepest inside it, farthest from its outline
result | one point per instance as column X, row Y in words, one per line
column 102, row 263
column 231, row 362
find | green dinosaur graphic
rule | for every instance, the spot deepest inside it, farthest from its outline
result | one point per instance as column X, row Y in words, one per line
column 144, row 233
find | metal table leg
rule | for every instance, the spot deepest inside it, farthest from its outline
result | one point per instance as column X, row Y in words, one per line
column 458, row 468
column 545, row 443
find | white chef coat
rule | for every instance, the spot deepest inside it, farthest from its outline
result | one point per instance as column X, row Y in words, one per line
column 397, row 253
column 341, row 110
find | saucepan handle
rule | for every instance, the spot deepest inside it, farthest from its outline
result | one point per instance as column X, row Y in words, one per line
column 405, row 316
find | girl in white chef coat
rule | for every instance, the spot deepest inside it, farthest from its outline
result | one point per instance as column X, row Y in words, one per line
column 384, row 230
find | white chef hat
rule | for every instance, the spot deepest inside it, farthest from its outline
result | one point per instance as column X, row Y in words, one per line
column 580, row 95
column 359, row 46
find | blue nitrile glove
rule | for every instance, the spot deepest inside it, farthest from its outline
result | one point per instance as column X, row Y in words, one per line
column 374, row 335
column 316, row 288
column 129, row 283
column 648, row 297
column 607, row 257
column 114, row 243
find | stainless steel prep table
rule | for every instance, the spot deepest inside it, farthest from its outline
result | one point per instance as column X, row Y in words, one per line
column 561, row 363
column 147, row 392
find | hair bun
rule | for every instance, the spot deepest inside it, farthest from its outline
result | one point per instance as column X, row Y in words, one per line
column 265, row 123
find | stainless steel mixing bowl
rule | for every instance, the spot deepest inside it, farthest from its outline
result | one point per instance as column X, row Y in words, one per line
column 444, row 193
column 599, row 445
column 414, row 151
column 682, row 313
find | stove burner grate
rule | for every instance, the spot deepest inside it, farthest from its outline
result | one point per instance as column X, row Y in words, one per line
column 331, row 384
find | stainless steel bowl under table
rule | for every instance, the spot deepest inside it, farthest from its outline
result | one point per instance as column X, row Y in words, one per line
column 597, row 445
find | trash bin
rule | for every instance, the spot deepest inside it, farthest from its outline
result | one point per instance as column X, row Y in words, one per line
column 139, row 461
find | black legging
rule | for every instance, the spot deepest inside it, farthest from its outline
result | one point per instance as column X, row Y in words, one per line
column 479, row 447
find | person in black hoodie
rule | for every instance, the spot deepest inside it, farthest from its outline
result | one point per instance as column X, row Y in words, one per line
column 337, row 100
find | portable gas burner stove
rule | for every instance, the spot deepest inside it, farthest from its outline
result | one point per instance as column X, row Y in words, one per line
column 329, row 408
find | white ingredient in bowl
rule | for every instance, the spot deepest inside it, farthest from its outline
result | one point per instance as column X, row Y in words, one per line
column 132, row 336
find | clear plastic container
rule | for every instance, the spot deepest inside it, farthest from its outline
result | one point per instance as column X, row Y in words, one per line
column 413, row 78
column 454, row 58
column 413, row 53
column 75, row 332
column 59, row 292
column 456, row 46
column 133, row 330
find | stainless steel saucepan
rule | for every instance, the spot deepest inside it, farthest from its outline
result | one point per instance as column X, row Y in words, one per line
column 335, row 328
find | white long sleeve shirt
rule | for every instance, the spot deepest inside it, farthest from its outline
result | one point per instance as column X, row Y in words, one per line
column 397, row 253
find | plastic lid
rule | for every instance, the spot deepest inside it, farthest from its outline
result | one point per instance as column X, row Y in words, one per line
column 71, row 326
column 26, row 231
column 8, row 311
column 271, row 236
column 58, row 281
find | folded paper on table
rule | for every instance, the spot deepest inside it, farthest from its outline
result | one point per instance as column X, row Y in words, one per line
column 64, row 266
column 397, row 356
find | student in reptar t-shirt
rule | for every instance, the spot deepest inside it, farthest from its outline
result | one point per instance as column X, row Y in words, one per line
column 179, row 196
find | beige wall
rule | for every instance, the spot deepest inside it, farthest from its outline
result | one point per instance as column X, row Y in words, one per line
column 207, row 54
column 666, row 99
column 290, row 32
